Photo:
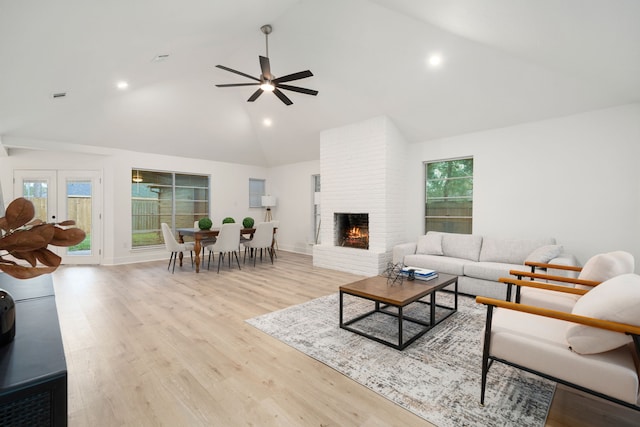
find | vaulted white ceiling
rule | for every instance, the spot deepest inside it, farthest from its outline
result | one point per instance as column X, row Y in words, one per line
column 504, row 62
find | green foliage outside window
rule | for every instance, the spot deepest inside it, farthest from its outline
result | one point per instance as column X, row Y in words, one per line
column 449, row 196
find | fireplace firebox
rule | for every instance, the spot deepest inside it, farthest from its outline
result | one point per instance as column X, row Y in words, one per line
column 351, row 230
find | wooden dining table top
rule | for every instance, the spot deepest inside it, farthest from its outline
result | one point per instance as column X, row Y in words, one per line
column 209, row 233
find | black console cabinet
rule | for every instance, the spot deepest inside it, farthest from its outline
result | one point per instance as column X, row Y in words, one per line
column 33, row 369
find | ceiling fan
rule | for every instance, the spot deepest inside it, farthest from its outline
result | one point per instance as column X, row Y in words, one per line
column 267, row 81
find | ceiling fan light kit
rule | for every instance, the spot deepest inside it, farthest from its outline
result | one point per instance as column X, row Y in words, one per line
column 267, row 82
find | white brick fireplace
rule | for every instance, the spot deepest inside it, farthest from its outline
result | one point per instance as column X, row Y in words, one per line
column 362, row 172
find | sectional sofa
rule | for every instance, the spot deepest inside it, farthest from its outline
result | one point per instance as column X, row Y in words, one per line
column 479, row 261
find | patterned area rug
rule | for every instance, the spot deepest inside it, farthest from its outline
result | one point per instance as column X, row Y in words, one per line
column 437, row 377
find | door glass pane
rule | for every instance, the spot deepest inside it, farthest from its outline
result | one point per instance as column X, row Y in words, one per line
column 79, row 208
column 37, row 191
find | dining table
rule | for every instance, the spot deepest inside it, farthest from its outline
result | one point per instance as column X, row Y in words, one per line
column 200, row 235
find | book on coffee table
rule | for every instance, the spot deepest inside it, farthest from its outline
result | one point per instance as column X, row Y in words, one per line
column 419, row 273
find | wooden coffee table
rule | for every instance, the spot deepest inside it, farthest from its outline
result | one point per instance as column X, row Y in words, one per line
column 399, row 296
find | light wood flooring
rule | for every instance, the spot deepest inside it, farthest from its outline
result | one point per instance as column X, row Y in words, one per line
column 146, row 347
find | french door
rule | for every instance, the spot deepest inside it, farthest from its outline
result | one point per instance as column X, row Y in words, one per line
column 59, row 195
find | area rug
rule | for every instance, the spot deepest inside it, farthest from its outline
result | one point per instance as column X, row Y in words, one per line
column 437, row 377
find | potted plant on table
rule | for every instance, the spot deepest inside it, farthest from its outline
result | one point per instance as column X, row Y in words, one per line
column 205, row 224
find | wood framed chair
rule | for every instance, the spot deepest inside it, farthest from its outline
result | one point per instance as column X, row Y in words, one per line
column 172, row 245
column 228, row 242
column 262, row 239
column 594, row 348
column 559, row 292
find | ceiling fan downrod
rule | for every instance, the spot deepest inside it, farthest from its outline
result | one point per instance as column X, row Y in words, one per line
column 266, row 30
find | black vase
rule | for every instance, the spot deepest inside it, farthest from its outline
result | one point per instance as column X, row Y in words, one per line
column 7, row 318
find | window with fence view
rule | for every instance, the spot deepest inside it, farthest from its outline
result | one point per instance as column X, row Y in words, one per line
column 157, row 197
column 449, row 196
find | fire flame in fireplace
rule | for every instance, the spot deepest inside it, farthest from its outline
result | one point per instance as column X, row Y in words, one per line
column 355, row 233
column 351, row 230
column 356, row 237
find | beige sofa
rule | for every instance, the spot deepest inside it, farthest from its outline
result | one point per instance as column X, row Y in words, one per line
column 479, row 261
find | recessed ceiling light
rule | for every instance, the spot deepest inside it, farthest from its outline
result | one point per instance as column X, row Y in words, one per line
column 435, row 60
column 122, row 85
column 267, row 122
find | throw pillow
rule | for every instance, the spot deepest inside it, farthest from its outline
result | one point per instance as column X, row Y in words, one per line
column 544, row 254
column 606, row 266
column 616, row 300
column 430, row 244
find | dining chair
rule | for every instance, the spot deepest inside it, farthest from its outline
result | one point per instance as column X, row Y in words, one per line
column 276, row 224
column 262, row 239
column 204, row 242
column 173, row 246
column 228, row 242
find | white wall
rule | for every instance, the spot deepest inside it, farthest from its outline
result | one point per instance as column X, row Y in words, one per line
column 292, row 186
column 574, row 178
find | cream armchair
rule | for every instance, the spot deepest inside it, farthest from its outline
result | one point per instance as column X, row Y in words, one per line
column 561, row 293
column 592, row 348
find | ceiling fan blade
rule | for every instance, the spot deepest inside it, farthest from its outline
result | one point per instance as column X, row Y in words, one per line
column 282, row 97
column 222, row 67
column 299, row 89
column 295, row 76
column 265, row 67
column 255, row 95
column 238, row 84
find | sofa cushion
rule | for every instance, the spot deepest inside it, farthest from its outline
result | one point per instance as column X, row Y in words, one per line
column 430, row 244
column 489, row 270
column 439, row 263
column 510, row 251
column 548, row 299
column 606, row 266
column 464, row 246
column 616, row 300
column 544, row 254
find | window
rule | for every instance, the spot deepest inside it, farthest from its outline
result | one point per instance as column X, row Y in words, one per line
column 449, row 196
column 156, row 197
column 256, row 191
